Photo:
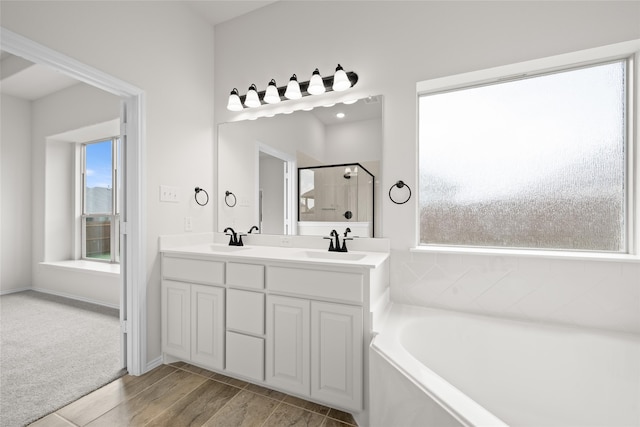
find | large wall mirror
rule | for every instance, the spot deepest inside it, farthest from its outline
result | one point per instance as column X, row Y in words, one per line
column 258, row 162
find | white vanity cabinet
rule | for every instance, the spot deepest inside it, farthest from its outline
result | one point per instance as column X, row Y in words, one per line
column 277, row 317
column 315, row 347
column 193, row 310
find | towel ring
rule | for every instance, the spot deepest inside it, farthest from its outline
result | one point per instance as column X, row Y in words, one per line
column 226, row 198
column 399, row 184
column 198, row 190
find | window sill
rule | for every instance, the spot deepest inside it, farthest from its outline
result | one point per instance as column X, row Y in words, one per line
column 91, row 267
column 582, row 256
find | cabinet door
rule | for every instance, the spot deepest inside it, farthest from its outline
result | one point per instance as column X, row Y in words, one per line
column 176, row 319
column 336, row 354
column 288, row 343
column 207, row 326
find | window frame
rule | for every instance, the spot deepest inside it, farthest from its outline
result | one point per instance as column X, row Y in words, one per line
column 114, row 215
column 629, row 51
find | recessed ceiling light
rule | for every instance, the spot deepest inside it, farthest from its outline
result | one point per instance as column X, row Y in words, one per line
column 340, row 115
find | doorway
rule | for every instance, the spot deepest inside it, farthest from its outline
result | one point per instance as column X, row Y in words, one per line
column 275, row 191
column 132, row 271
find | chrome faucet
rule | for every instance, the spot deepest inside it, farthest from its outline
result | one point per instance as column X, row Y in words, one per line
column 234, row 239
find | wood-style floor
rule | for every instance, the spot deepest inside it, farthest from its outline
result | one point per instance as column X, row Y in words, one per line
column 180, row 395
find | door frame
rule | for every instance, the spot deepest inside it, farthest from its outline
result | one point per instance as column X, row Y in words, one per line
column 132, row 263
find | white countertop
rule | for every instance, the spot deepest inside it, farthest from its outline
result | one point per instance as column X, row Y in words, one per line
column 276, row 253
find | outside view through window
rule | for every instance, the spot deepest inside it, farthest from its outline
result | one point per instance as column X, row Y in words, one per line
column 98, row 199
column 533, row 163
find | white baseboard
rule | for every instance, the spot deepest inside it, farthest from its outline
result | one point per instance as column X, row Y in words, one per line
column 76, row 297
column 153, row 364
column 13, row 291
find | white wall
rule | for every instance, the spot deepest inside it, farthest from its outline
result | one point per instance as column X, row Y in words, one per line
column 15, row 193
column 166, row 50
column 354, row 142
column 392, row 46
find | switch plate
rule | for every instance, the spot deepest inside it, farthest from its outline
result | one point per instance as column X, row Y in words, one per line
column 169, row 194
column 188, row 225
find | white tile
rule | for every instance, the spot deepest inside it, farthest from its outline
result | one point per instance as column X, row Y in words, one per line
column 431, row 285
column 506, row 292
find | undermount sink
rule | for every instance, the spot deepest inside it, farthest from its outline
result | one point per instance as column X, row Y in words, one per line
column 227, row 248
column 342, row 256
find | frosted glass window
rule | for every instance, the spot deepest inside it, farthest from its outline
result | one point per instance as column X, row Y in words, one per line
column 537, row 162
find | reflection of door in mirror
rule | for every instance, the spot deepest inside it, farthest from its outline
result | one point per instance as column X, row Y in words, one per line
column 272, row 194
column 275, row 191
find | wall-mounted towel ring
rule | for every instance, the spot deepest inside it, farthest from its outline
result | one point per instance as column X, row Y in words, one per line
column 399, row 184
column 198, row 191
column 228, row 194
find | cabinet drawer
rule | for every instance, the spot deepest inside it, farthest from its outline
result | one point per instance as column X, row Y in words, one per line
column 245, row 311
column 245, row 275
column 245, row 356
column 316, row 283
column 193, row 270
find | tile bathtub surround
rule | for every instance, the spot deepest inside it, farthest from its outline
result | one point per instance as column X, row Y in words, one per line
column 181, row 394
column 594, row 294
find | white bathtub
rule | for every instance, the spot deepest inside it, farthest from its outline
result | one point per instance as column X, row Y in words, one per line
column 439, row 368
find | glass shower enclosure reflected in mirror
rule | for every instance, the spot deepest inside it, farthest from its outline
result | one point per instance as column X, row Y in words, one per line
column 334, row 197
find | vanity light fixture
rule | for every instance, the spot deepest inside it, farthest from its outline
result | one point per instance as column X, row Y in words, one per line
column 252, row 99
column 317, row 85
column 340, row 80
column 234, row 101
column 272, row 96
column 293, row 89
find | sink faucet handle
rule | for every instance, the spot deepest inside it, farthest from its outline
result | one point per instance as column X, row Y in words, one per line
column 331, row 247
column 239, row 240
column 233, row 237
column 348, row 230
column 344, row 244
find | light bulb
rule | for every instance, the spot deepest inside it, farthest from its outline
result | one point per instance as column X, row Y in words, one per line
column 340, row 80
column 272, row 96
column 252, row 99
column 293, row 89
column 234, row 103
column 316, row 85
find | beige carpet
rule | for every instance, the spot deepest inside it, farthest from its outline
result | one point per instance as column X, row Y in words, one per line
column 53, row 350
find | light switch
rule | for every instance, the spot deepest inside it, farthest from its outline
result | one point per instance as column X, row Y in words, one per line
column 169, row 194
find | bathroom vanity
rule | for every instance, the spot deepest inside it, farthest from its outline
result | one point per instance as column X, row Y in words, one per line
column 294, row 319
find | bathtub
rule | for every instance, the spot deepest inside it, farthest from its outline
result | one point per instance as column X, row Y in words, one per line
column 432, row 367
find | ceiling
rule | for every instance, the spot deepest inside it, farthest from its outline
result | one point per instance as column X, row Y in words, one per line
column 26, row 80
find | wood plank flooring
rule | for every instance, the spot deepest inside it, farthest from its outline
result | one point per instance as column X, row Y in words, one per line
column 180, row 395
